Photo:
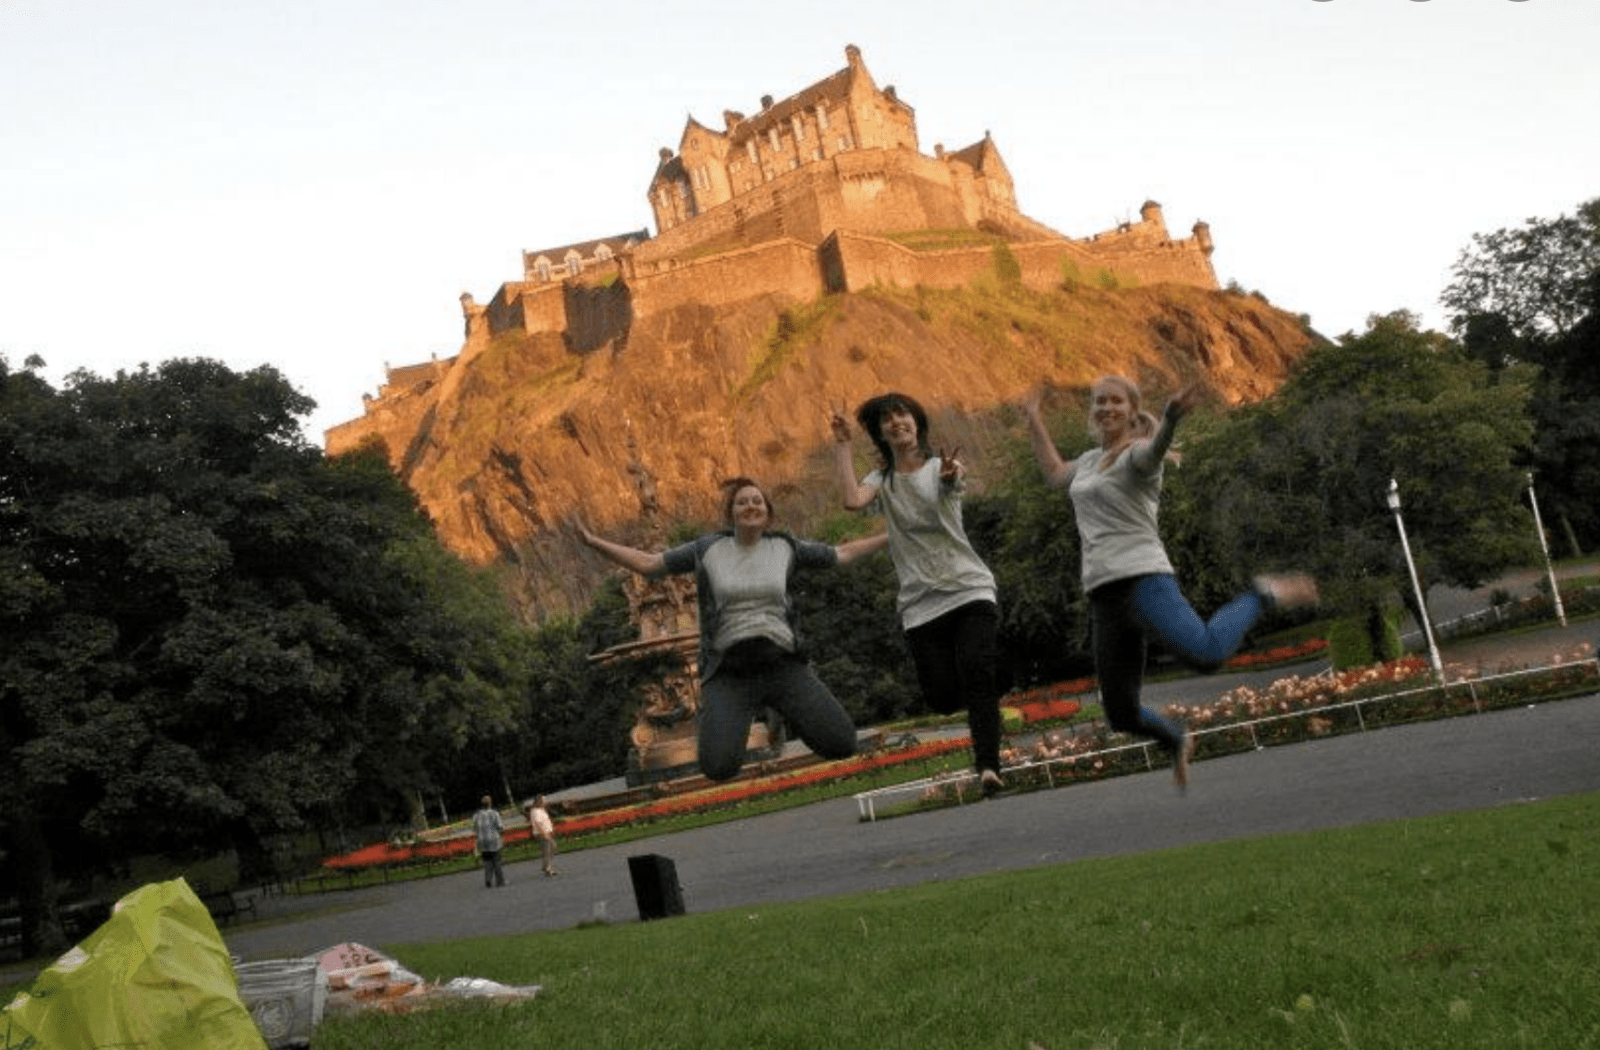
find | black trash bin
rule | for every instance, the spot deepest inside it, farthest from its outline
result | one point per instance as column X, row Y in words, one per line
column 655, row 886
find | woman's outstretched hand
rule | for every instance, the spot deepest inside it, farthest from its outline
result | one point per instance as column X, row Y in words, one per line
column 1183, row 402
column 839, row 423
column 583, row 531
column 1032, row 403
column 951, row 469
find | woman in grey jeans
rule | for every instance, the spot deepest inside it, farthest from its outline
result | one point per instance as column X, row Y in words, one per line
column 751, row 655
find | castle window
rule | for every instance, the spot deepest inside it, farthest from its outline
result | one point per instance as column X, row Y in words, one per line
column 603, row 252
column 541, row 267
column 844, row 141
column 822, row 117
column 799, row 128
column 750, row 148
column 772, row 138
column 574, row 263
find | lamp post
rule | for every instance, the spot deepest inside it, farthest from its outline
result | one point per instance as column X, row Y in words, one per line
column 1393, row 496
column 1538, row 524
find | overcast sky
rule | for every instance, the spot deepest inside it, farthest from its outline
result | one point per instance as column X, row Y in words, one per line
column 312, row 184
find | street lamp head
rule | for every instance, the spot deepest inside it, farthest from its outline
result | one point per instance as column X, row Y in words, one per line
column 1393, row 496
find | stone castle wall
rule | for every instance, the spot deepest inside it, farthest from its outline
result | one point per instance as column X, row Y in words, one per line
column 871, row 190
column 786, row 267
column 590, row 317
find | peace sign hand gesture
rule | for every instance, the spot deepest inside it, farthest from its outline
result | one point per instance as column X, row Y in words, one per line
column 951, row 469
column 839, row 423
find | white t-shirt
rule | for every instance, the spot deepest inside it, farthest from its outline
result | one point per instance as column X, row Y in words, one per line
column 936, row 565
column 540, row 818
column 1116, row 511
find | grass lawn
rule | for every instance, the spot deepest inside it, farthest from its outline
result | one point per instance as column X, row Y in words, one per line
column 1467, row 930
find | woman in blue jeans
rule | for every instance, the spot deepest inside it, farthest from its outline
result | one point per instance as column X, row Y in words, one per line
column 1133, row 596
column 751, row 656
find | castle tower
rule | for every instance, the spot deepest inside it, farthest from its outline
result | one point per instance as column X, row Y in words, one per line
column 838, row 114
column 1150, row 212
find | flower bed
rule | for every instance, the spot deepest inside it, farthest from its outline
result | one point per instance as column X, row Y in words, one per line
column 457, row 841
column 1290, row 710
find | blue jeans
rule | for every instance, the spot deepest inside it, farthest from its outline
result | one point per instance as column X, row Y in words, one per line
column 1127, row 615
column 731, row 699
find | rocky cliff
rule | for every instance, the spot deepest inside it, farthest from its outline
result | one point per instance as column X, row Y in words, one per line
column 519, row 435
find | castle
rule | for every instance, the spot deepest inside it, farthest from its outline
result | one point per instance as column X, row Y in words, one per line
column 820, row 192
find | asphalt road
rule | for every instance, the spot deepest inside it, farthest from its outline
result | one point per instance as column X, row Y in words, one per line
column 825, row 850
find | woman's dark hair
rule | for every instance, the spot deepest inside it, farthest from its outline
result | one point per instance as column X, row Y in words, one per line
column 870, row 418
column 730, row 489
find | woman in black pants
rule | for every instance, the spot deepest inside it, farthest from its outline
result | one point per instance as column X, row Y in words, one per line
column 947, row 594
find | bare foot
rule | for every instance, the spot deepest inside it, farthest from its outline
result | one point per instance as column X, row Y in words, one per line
column 1180, row 766
column 1286, row 592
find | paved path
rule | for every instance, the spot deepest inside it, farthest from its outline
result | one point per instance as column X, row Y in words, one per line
column 824, row 850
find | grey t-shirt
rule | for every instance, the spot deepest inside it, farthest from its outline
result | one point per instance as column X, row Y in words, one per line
column 691, row 557
column 936, row 565
column 1116, row 511
column 750, row 583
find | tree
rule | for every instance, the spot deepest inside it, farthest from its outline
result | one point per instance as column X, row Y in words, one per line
column 1537, row 278
column 850, row 623
column 212, row 633
column 1532, row 296
column 1029, row 538
column 1300, row 479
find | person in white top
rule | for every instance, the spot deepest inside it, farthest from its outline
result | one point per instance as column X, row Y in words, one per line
column 947, row 600
column 751, row 655
column 544, row 829
column 1133, row 595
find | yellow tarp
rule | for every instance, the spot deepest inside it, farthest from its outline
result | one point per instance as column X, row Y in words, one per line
column 156, row 975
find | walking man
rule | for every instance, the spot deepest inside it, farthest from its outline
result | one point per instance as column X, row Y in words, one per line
column 490, row 829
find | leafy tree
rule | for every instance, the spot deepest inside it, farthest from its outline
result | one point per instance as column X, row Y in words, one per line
column 849, row 620
column 1532, row 296
column 574, row 729
column 1030, row 540
column 1537, row 278
column 1300, row 479
column 213, row 634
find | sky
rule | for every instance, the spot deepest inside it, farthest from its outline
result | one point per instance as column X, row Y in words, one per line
column 312, row 184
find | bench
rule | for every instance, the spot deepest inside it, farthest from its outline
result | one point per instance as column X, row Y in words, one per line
column 225, row 907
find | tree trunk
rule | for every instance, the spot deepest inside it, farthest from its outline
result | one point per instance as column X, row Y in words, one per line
column 1408, row 596
column 1572, row 537
column 38, row 896
column 1377, row 635
column 255, row 861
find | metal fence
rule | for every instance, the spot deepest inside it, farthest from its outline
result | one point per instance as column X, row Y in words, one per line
column 967, row 781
